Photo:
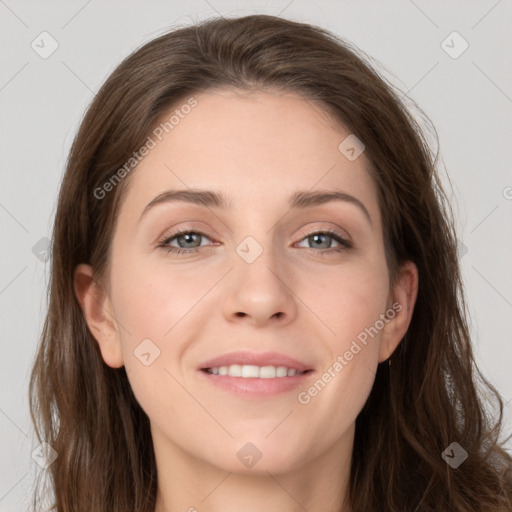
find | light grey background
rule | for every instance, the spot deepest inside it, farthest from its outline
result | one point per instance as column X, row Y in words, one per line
column 42, row 101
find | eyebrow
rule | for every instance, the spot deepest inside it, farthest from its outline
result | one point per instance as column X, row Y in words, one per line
column 301, row 199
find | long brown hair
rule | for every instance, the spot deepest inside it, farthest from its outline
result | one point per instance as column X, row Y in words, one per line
column 432, row 395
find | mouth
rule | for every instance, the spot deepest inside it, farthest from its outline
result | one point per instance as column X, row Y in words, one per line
column 253, row 375
column 249, row 371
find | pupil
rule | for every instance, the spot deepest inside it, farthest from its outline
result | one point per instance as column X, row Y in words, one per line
column 189, row 237
column 317, row 237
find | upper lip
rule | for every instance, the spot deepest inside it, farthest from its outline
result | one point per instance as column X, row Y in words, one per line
column 254, row 358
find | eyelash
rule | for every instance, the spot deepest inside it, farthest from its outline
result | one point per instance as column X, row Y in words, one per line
column 344, row 244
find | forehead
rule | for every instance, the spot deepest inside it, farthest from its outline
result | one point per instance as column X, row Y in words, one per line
column 257, row 147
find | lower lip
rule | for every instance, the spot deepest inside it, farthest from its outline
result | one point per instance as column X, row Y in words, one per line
column 256, row 387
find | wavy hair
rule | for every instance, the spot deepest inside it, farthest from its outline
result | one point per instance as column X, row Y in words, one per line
column 433, row 394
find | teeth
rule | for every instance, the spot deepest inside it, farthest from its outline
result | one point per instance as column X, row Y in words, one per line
column 252, row 371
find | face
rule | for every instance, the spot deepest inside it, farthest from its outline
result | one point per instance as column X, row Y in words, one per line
column 205, row 321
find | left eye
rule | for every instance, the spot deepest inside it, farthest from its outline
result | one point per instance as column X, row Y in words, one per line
column 192, row 237
column 330, row 235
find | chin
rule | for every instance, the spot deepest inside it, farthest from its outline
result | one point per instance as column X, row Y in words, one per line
column 261, row 456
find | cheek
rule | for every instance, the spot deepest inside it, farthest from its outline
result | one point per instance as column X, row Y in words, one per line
column 351, row 300
column 150, row 300
column 351, row 309
column 152, row 306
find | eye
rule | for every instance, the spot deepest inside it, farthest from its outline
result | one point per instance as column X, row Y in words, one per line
column 189, row 241
column 319, row 237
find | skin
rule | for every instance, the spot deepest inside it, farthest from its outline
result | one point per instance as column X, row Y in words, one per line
column 257, row 148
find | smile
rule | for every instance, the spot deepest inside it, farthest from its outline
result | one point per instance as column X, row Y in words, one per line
column 252, row 371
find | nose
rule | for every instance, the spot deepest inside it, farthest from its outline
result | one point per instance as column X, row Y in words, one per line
column 260, row 291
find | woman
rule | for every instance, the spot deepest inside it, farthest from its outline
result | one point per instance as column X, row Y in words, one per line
column 252, row 369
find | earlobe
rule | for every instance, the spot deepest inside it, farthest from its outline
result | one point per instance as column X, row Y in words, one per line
column 403, row 300
column 99, row 315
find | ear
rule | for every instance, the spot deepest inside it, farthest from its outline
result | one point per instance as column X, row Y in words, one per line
column 99, row 315
column 400, row 309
